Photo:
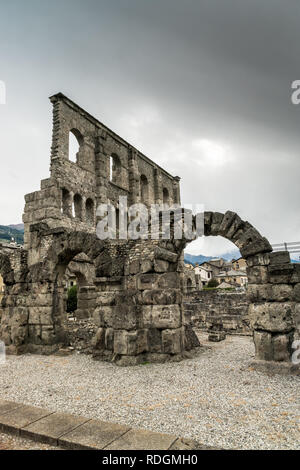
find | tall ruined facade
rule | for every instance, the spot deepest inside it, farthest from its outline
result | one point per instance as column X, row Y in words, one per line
column 131, row 288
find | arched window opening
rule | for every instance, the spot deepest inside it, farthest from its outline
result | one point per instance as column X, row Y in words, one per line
column 78, row 206
column 144, row 188
column 215, row 266
column 115, row 169
column 117, row 219
column 66, row 203
column 166, row 197
column 75, row 141
column 89, row 209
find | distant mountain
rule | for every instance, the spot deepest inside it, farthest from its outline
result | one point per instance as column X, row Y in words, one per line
column 19, row 227
column 7, row 232
column 235, row 254
column 193, row 259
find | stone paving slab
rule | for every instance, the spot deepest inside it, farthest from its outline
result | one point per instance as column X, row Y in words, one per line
column 15, row 419
column 140, row 439
column 190, row 444
column 76, row 432
column 94, row 434
column 6, row 406
column 52, row 427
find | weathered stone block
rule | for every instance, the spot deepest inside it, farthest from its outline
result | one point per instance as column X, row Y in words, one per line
column 216, row 221
column 121, row 341
column 281, row 292
column 109, row 339
column 249, row 241
column 146, row 266
column 190, row 338
column 154, row 340
column 134, row 267
column 263, row 345
column 227, row 220
column 282, row 347
column 258, row 292
column 216, row 336
column 256, row 247
column 279, row 257
column 130, row 342
column 161, row 266
column 40, row 315
column 161, row 316
column 48, row 334
column 207, row 222
column 296, row 293
column 148, row 281
column 258, row 275
column 269, row 292
column 161, row 297
column 125, row 316
column 169, row 281
column 280, row 273
column 172, row 341
column 272, row 316
column 106, row 298
column 261, row 259
column 166, row 255
column 295, row 278
column 233, row 228
column 103, row 316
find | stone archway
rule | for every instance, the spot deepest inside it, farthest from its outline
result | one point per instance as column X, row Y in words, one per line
column 147, row 320
column 273, row 289
column 68, row 249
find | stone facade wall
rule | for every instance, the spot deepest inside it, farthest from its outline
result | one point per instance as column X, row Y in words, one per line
column 87, row 181
column 230, row 309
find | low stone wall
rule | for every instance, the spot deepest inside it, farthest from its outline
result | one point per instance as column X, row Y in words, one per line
column 229, row 308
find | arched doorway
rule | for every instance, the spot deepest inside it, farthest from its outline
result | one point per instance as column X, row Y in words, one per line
column 271, row 280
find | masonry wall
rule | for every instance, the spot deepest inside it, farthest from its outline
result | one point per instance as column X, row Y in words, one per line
column 230, row 308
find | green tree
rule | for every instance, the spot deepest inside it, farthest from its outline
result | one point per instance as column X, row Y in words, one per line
column 212, row 283
column 72, row 299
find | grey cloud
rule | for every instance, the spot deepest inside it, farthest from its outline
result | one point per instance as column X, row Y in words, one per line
column 163, row 73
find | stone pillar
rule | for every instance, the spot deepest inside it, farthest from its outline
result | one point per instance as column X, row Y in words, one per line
column 176, row 190
column 158, row 186
column 102, row 175
column 273, row 291
column 86, row 302
column 144, row 322
column 134, row 178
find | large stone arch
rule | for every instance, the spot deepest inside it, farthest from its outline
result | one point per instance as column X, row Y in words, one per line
column 273, row 289
column 64, row 248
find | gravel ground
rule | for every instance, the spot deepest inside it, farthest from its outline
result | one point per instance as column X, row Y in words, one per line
column 10, row 442
column 213, row 397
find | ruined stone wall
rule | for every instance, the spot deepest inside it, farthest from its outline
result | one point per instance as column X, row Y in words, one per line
column 136, row 298
column 230, row 309
column 70, row 197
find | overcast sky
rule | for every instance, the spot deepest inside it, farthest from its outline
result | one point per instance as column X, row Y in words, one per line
column 201, row 87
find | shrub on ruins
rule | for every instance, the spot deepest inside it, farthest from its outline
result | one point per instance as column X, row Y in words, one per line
column 72, row 299
column 212, row 283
